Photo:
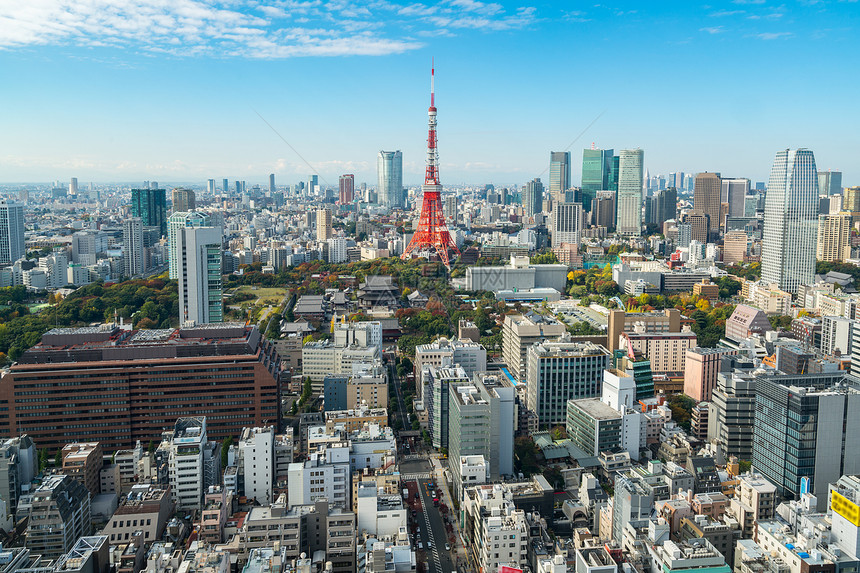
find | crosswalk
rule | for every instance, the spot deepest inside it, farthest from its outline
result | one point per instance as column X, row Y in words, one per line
column 414, row 477
column 412, row 458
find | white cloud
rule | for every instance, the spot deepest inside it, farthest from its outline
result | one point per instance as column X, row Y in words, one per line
column 774, row 35
column 713, row 30
column 247, row 28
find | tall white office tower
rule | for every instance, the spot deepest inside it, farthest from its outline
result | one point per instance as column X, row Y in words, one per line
column 73, row 186
column 389, row 169
column 210, row 187
column 194, row 250
column 133, row 253
column 566, row 223
column 734, row 192
column 630, row 176
column 11, row 231
column 790, row 221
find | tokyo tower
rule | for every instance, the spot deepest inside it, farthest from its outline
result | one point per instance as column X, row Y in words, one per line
column 432, row 233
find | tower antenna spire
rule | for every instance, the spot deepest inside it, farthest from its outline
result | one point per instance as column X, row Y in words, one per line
column 432, row 234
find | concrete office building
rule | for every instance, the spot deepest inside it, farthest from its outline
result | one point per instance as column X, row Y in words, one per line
column 481, row 422
column 566, row 223
column 184, row 200
column 471, row 356
column 559, row 174
column 195, row 256
column 632, row 503
column 497, row 532
column 836, row 335
column 59, row 516
column 11, row 232
column 84, row 462
column 440, row 381
column 593, row 426
column 520, row 332
column 665, row 350
column 790, row 221
column 146, row 373
column 806, row 426
column 629, row 197
column 734, row 192
column 560, row 371
column 700, row 371
column 656, row 322
column 707, row 199
column 147, row 509
column 518, row 275
column 18, row 465
column 532, row 198
column 731, row 413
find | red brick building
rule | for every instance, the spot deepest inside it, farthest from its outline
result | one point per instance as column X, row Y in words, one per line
column 113, row 386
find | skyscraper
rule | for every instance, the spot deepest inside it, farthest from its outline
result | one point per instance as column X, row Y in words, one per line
column 183, row 200
column 790, row 220
column 559, row 174
column 11, row 232
column 389, row 169
column 324, row 231
column 313, row 183
column 151, row 206
column 533, row 198
column 73, row 186
column 346, row 189
column 566, row 223
column 599, row 173
column 225, row 186
column 834, row 233
column 210, row 186
column 195, row 261
column 133, row 253
column 272, row 183
column 630, row 174
column 734, row 192
column 829, row 182
column 706, row 197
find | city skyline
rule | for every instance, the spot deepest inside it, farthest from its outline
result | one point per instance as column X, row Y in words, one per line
column 171, row 93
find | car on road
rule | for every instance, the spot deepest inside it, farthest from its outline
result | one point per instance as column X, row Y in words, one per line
column 429, row 545
column 447, row 547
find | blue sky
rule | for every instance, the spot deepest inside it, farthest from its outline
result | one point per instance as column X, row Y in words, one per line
column 126, row 90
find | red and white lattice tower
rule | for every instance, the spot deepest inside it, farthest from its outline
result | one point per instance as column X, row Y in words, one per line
column 432, row 234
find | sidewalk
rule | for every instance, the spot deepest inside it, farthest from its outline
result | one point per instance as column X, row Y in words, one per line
column 458, row 547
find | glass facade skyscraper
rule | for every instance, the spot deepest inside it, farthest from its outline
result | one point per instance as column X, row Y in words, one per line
column 151, row 206
column 389, row 169
column 790, row 221
column 599, row 173
column 630, row 174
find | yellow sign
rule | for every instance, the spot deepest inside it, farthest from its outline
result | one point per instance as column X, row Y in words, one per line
column 845, row 507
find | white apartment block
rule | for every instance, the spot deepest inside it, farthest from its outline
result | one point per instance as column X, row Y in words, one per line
column 257, row 449
column 363, row 334
column 321, row 359
column 325, row 475
column 496, row 531
column 471, row 356
column 191, row 461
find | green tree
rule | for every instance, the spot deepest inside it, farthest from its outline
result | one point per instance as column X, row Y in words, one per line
column 225, row 451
